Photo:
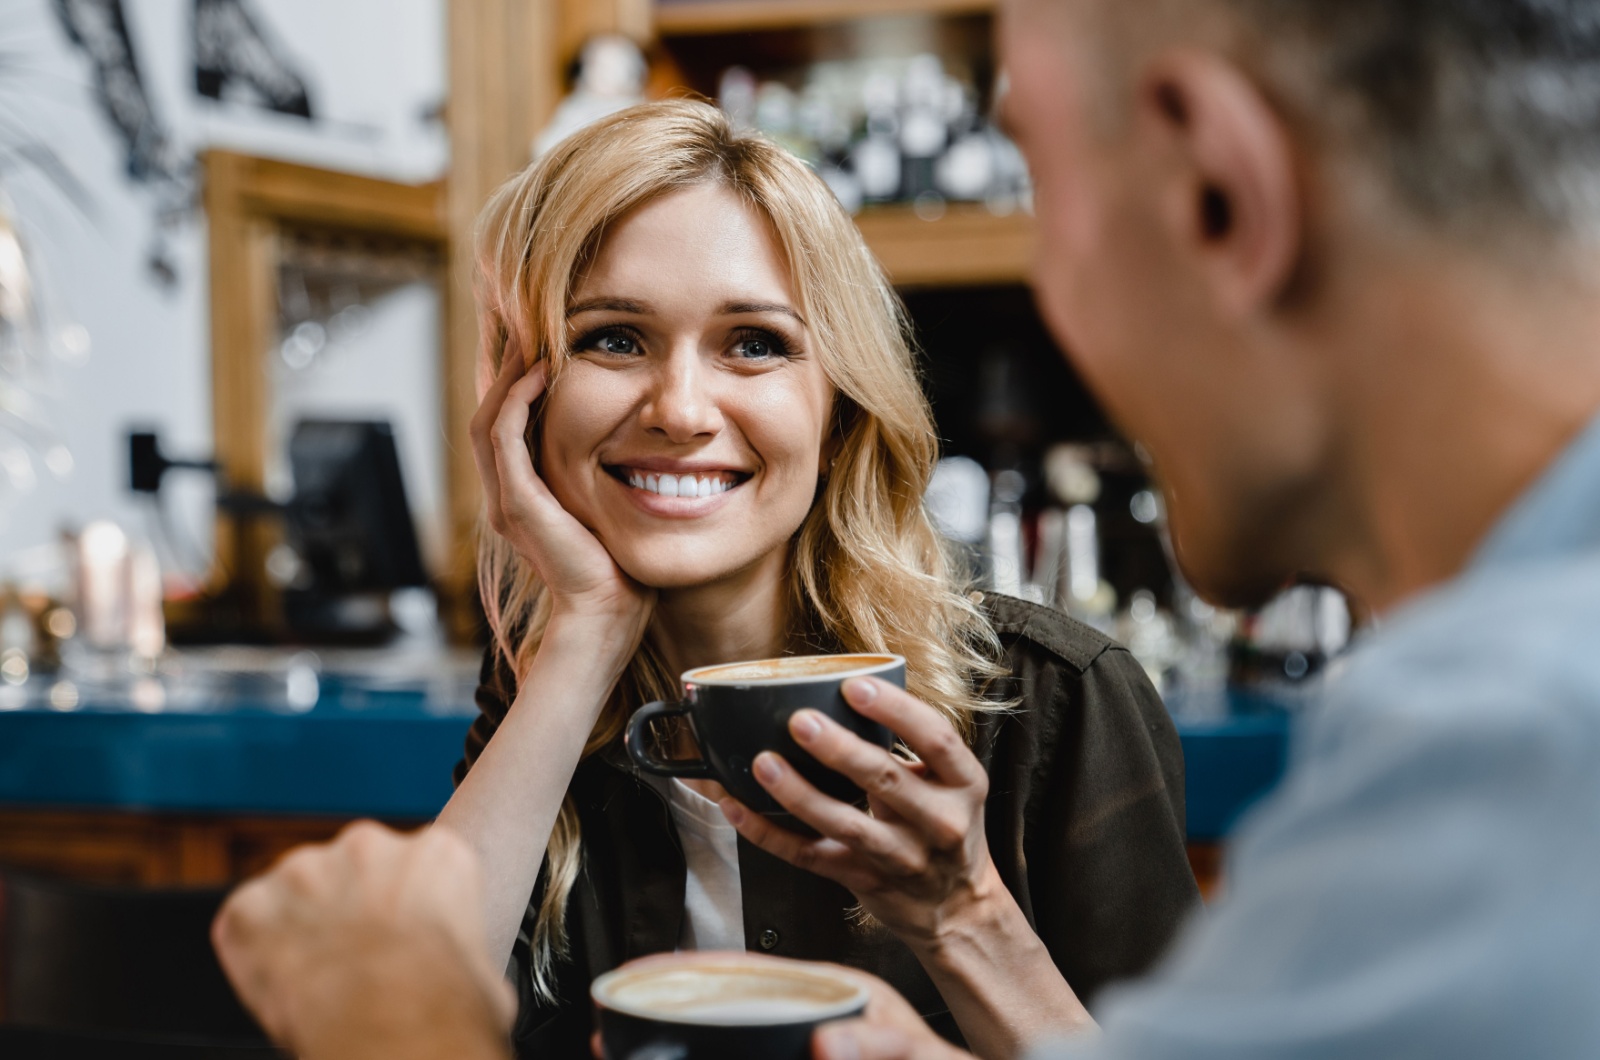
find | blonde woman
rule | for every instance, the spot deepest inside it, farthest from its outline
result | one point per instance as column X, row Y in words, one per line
column 702, row 439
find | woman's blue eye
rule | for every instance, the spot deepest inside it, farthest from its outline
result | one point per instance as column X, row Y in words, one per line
column 616, row 342
column 760, row 346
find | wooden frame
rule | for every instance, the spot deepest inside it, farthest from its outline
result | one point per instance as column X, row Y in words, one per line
column 505, row 81
column 968, row 246
column 249, row 203
column 683, row 17
column 154, row 850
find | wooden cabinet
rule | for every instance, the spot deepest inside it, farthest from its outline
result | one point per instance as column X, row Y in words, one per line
column 965, row 247
column 740, row 16
column 150, row 850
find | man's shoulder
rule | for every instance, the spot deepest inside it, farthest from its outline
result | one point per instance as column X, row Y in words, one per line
column 1513, row 644
column 1421, row 880
column 1480, row 703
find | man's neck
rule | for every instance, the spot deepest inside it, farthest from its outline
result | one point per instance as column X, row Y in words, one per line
column 1463, row 382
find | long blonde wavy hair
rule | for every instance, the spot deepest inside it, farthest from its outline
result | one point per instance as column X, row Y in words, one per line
column 867, row 570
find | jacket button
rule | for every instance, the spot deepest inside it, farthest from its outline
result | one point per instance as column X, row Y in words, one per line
column 768, row 939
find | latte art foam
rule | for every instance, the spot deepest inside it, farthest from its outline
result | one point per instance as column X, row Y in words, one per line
column 790, row 668
column 725, row 993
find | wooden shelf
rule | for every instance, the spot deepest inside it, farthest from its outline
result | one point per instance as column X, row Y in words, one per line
column 967, row 247
column 695, row 17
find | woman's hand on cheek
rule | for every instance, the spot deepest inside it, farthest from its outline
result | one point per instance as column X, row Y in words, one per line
column 584, row 580
column 920, row 861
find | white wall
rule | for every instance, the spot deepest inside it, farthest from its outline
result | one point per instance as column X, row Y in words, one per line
column 374, row 67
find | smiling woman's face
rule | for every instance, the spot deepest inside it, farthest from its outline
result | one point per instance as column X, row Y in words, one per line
column 687, row 429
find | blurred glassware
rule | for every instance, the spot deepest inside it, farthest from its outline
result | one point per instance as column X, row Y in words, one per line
column 883, row 130
column 736, row 95
column 18, row 638
column 957, row 501
column 1006, row 547
column 119, row 598
column 1293, row 638
column 28, row 347
column 1067, row 563
column 1152, row 635
column 611, row 75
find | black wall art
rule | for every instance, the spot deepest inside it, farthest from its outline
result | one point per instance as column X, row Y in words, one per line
column 231, row 51
column 100, row 30
column 236, row 61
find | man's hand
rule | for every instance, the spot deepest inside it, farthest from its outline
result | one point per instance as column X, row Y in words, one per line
column 889, row 1030
column 371, row 946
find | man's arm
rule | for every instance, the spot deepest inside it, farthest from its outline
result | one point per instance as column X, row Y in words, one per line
column 369, row 947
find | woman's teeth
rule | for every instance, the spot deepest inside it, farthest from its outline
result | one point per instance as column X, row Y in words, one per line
column 680, row 485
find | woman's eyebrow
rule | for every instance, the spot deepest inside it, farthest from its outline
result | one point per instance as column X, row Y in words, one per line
column 610, row 305
column 733, row 309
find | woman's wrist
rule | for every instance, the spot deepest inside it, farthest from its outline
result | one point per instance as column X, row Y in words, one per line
column 1002, row 984
column 604, row 642
column 971, row 921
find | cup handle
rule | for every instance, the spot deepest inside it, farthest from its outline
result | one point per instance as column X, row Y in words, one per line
column 637, row 740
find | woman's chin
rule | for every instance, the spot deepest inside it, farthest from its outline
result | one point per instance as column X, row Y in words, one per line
column 680, row 574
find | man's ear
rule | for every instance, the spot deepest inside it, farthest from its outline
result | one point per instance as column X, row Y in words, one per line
column 1234, row 197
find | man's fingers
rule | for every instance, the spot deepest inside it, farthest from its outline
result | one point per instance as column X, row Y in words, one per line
column 928, row 734
column 243, row 937
column 860, row 1040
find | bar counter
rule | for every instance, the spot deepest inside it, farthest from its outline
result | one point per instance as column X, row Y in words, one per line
column 299, row 743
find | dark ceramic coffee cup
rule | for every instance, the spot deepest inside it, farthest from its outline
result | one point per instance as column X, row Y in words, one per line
column 738, row 710
column 712, row 1006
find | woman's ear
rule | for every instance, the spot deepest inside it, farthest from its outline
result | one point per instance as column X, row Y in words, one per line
column 832, row 444
column 825, row 459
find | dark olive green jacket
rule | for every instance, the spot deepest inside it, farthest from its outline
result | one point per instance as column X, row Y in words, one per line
column 1084, row 819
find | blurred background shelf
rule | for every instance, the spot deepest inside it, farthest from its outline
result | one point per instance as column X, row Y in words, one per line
column 966, row 247
column 736, row 16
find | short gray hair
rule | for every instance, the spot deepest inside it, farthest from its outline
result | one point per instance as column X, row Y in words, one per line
column 1478, row 110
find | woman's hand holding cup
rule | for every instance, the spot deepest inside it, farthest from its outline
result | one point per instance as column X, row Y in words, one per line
column 583, row 579
column 919, row 862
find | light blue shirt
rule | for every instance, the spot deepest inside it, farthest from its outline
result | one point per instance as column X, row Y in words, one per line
column 1426, row 881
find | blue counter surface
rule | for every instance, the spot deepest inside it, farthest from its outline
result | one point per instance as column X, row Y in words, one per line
column 300, row 737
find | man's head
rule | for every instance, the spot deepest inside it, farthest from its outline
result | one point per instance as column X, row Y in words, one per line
column 1237, row 197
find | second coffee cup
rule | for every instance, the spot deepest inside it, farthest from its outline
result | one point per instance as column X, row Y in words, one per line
column 737, row 710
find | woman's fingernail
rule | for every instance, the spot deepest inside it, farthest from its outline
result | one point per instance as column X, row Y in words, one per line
column 860, row 691
column 805, row 724
column 767, row 767
column 733, row 810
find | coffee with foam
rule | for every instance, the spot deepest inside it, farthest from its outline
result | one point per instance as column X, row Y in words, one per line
column 738, row 710
column 791, row 667
column 729, row 992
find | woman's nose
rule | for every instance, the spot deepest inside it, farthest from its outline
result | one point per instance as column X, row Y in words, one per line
column 681, row 403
